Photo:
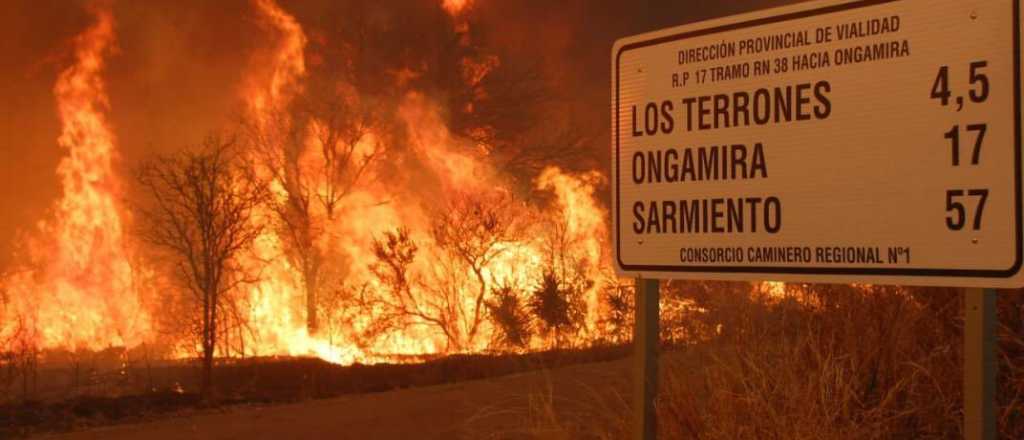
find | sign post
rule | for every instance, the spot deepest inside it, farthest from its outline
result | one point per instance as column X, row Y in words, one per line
column 834, row 141
column 980, row 368
column 645, row 358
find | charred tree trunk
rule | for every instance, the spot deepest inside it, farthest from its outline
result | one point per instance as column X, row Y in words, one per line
column 312, row 326
column 206, row 388
column 201, row 214
column 209, row 345
column 312, row 321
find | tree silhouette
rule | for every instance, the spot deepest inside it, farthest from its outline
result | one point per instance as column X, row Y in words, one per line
column 317, row 149
column 508, row 312
column 199, row 213
column 616, row 321
column 557, row 306
column 399, row 306
column 470, row 232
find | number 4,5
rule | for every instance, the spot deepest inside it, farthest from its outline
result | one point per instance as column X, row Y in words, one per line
column 954, row 137
column 979, row 81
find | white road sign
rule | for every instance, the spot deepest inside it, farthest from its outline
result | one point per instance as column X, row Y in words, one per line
column 859, row 141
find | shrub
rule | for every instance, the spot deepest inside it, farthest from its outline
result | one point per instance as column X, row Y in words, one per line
column 558, row 308
column 513, row 327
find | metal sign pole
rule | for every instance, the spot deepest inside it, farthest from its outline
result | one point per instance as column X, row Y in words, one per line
column 979, row 364
column 645, row 359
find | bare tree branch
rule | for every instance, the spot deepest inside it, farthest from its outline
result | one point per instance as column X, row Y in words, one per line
column 200, row 212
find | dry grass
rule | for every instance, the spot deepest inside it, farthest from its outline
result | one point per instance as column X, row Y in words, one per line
column 818, row 362
column 574, row 409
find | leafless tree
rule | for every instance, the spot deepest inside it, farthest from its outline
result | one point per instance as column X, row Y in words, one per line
column 409, row 299
column 564, row 255
column 4, row 317
column 474, row 230
column 21, row 356
column 7, row 359
column 469, row 232
column 317, row 149
column 18, row 350
column 199, row 212
column 400, row 307
column 338, row 312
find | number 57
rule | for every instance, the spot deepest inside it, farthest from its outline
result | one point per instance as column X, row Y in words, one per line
column 957, row 213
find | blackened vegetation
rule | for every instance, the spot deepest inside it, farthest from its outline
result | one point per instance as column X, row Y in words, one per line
column 33, row 417
column 267, row 381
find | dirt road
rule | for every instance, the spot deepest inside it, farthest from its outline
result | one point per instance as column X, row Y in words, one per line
column 494, row 408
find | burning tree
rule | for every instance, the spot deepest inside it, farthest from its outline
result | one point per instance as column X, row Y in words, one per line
column 320, row 98
column 508, row 312
column 312, row 131
column 317, row 151
column 399, row 306
column 473, row 231
column 558, row 307
column 19, row 347
column 200, row 214
column 450, row 294
column 7, row 360
column 616, row 322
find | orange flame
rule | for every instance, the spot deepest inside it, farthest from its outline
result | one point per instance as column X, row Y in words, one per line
column 288, row 63
column 584, row 224
column 80, row 288
column 454, row 7
column 274, row 307
column 80, row 292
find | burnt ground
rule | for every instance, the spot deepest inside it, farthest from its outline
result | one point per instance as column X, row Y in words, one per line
column 163, row 397
column 498, row 408
column 506, row 407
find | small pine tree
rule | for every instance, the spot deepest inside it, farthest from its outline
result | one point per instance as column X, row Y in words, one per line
column 557, row 307
column 513, row 326
column 617, row 320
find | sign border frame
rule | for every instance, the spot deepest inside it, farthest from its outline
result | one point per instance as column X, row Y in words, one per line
column 817, row 270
